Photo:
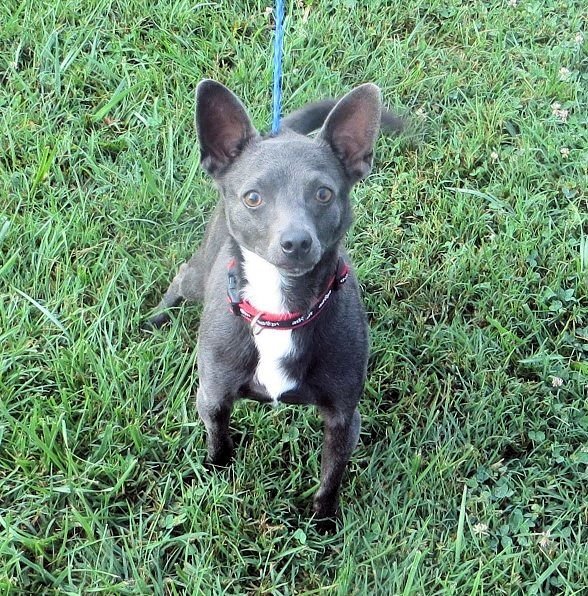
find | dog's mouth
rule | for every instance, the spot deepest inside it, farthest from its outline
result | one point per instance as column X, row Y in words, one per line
column 290, row 267
column 294, row 270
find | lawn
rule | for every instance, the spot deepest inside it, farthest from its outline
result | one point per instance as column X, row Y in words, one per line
column 471, row 245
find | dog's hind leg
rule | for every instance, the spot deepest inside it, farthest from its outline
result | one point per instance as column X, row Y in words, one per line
column 190, row 280
column 186, row 286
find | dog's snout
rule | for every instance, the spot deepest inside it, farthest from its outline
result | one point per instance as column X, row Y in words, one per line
column 296, row 243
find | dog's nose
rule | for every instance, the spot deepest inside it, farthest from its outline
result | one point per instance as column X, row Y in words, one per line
column 296, row 243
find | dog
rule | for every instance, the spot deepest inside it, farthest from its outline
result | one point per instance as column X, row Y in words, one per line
column 283, row 320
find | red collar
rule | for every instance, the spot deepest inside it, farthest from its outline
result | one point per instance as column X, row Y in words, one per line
column 266, row 320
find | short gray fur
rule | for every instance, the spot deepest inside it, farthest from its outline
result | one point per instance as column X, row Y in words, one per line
column 330, row 356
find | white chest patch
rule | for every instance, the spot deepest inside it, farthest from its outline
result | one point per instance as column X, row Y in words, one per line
column 264, row 291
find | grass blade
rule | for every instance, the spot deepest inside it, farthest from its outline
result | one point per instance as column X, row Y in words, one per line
column 47, row 313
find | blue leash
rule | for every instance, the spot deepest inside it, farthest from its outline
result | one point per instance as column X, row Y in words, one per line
column 278, row 53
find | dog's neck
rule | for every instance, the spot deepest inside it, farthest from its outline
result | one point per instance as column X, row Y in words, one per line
column 269, row 290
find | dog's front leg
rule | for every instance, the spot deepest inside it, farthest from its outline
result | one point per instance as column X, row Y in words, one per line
column 341, row 436
column 215, row 412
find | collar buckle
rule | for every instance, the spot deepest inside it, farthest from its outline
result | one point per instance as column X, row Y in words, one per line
column 233, row 294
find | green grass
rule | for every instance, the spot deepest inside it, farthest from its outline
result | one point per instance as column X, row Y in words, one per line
column 471, row 244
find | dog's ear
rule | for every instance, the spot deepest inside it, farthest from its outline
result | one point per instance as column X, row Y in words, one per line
column 351, row 128
column 223, row 126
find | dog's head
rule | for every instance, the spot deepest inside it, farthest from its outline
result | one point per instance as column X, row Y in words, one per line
column 287, row 196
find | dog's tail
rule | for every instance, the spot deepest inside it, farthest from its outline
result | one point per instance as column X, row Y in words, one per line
column 311, row 118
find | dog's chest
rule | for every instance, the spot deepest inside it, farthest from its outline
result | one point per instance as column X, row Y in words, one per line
column 264, row 291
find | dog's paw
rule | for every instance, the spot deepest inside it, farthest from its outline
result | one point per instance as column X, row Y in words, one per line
column 219, row 458
column 326, row 525
column 218, row 463
column 326, row 517
column 155, row 322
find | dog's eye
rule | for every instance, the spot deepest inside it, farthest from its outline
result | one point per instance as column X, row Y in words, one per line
column 252, row 199
column 324, row 194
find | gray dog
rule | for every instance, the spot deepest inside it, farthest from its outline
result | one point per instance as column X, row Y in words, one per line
column 283, row 319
